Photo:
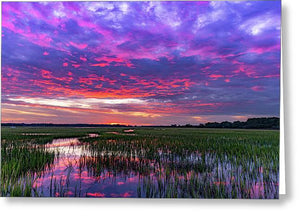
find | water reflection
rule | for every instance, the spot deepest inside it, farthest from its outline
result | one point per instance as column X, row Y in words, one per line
column 85, row 170
column 93, row 135
column 36, row 134
column 69, row 175
column 63, row 142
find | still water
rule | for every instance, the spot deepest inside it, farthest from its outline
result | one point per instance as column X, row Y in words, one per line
column 77, row 171
column 68, row 177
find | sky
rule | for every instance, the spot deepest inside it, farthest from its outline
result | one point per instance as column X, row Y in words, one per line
column 140, row 63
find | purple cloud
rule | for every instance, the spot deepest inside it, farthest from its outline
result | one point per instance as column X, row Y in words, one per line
column 183, row 60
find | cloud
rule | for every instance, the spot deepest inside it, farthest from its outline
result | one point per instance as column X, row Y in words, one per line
column 153, row 61
column 258, row 25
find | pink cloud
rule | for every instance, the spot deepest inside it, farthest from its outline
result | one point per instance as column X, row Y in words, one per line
column 46, row 74
column 117, row 61
column 215, row 76
column 77, row 45
column 100, row 65
column 261, row 50
column 83, row 59
column 257, row 88
column 76, row 65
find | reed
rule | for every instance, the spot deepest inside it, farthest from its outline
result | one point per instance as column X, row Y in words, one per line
column 156, row 162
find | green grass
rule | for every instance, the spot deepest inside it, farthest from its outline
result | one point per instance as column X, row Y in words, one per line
column 171, row 162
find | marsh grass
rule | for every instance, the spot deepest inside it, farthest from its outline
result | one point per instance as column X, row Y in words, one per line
column 165, row 162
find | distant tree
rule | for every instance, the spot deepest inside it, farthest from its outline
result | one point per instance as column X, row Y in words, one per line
column 237, row 124
column 263, row 123
column 226, row 124
column 251, row 123
column 212, row 125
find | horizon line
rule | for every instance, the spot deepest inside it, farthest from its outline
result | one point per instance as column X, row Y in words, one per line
column 122, row 124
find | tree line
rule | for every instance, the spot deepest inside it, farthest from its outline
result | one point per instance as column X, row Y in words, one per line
column 251, row 123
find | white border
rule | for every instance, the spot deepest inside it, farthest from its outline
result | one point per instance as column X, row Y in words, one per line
column 282, row 185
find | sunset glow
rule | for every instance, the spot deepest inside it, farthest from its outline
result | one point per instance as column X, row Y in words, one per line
column 140, row 63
